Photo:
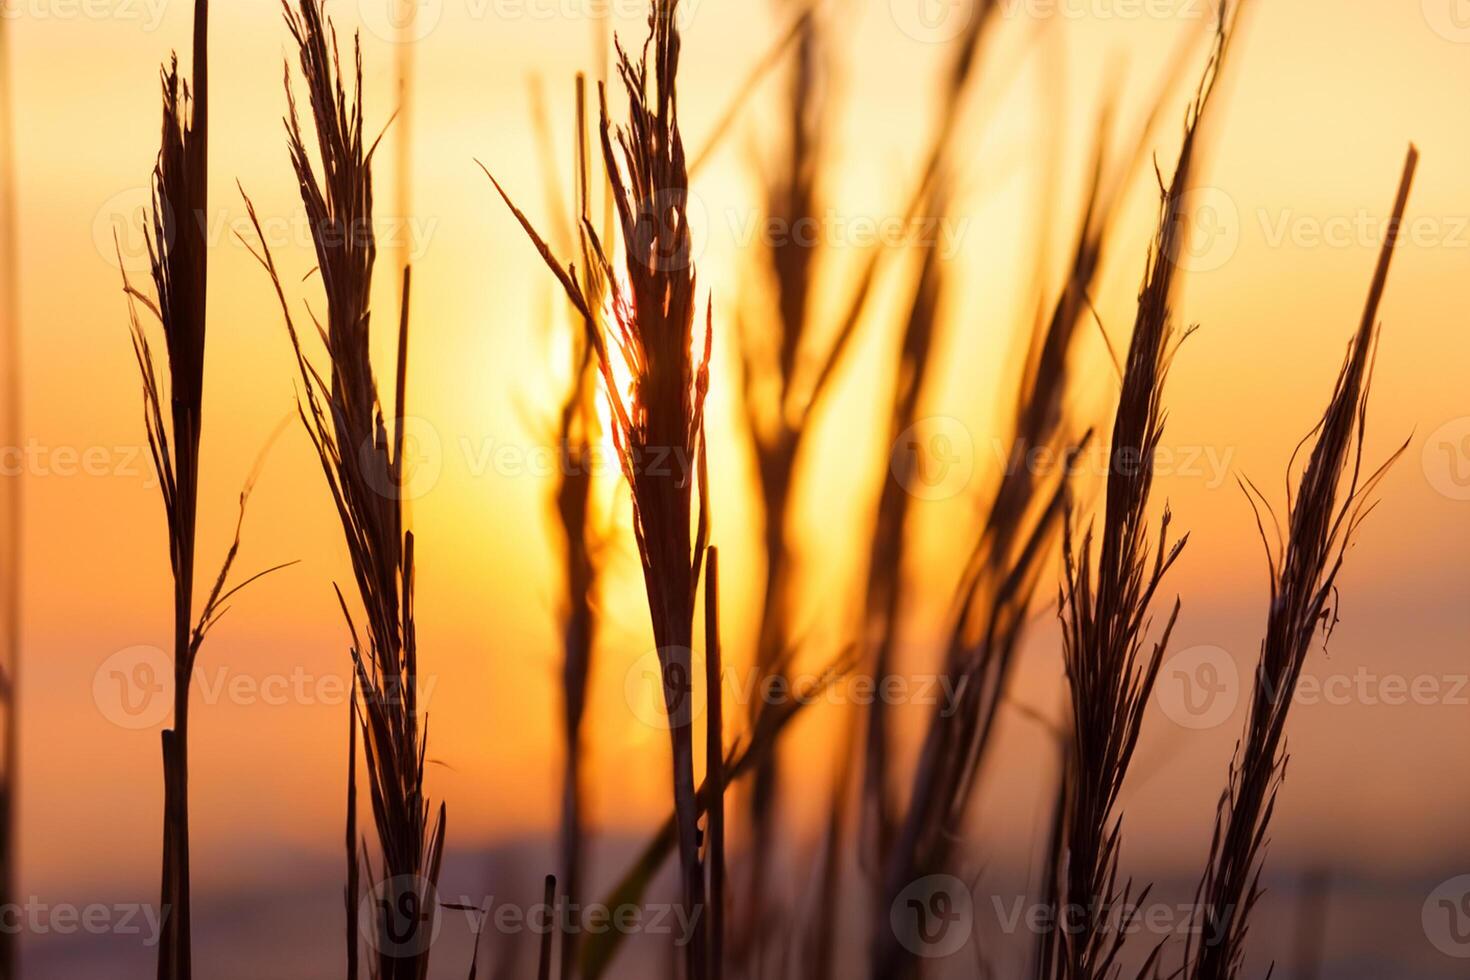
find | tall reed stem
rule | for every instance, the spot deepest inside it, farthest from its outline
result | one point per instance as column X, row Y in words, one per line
column 1331, row 501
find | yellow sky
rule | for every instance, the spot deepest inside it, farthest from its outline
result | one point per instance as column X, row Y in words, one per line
column 1306, row 146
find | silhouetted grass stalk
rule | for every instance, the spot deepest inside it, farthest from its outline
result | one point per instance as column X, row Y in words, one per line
column 1105, row 610
column 362, row 460
column 653, row 331
column 1333, row 497
column 177, row 251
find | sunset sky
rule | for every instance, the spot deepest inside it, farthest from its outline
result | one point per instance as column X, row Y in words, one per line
column 1304, row 148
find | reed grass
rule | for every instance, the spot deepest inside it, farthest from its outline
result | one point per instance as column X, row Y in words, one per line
column 362, row 459
column 177, row 250
column 633, row 288
column 884, row 592
column 652, row 330
column 1333, row 496
column 1105, row 612
column 573, row 505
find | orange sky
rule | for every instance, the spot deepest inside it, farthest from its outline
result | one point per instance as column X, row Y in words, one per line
column 1306, row 145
